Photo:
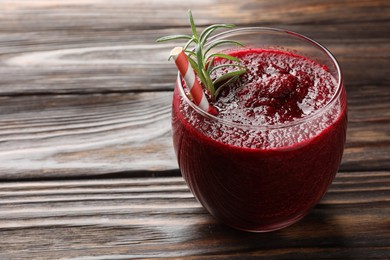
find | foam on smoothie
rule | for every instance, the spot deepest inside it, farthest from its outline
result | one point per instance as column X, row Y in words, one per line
column 278, row 88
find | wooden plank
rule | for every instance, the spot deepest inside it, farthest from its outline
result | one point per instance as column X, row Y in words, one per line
column 85, row 94
column 124, row 68
column 73, row 15
column 159, row 217
column 93, row 134
column 75, row 47
column 46, row 136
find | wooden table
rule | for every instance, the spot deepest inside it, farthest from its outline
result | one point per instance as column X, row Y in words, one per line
column 87, row 166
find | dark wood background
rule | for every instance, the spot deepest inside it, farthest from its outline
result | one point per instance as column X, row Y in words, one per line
column 87, row 167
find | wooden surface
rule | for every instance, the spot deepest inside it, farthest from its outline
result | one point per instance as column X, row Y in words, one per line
column 87, row 167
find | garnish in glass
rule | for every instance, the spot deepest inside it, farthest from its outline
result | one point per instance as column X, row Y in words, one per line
column 202, row 59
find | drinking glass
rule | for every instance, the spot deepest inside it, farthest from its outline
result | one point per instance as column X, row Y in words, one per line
column 265, row 188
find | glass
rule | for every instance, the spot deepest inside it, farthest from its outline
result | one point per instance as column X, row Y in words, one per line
column 267, row 188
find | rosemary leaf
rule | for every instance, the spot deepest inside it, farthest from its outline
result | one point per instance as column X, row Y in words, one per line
column 227, row 76
column 192, row 40
column 210, row 65
column 217, row 43
column 173, row 37
column 190, row 53
column 226, row 65
column 225, row 56
column 193, row 27
column 220, row 88
column 199, row 59
column 209, row 30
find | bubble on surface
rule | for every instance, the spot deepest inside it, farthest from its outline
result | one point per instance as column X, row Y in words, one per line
column 278, row 88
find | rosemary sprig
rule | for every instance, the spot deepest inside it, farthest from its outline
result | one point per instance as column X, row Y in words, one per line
column 202, row 60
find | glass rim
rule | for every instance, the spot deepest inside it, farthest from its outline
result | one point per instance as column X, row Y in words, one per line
column 295, row 122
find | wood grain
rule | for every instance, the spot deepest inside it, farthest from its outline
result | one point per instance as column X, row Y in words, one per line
column 105, row 46
column 155, row 217
column 122, row 66
column 94, row 134
column 87, row 168
column 75, row 135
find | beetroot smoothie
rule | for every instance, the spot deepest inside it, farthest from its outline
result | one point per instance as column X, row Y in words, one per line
column 271, row 153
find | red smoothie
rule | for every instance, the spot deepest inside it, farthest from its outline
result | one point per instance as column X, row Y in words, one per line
column 275, row 146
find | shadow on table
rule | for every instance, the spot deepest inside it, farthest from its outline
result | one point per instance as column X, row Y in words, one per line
column 318, row 235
